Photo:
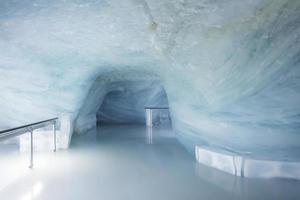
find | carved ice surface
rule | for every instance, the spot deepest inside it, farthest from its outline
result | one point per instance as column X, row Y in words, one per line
column 230, row 69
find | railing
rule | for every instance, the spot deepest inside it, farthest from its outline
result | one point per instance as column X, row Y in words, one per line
column 13, row 132
column 149, row 114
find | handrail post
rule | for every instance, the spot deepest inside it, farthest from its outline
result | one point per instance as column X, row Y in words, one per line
column 148, row 117
column 31, row 148
column 151, row 119
column 54, row 135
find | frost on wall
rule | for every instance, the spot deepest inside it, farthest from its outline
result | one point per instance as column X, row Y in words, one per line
column 231, row 69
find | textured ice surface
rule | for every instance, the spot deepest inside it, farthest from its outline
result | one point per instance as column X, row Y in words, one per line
column 231, row 69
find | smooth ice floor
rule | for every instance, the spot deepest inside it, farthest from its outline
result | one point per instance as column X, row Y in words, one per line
column 125, row 162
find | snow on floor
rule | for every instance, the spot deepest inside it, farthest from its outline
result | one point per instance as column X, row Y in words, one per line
column 125, row 162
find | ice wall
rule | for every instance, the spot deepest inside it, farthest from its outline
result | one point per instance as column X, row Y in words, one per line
column 231, row 69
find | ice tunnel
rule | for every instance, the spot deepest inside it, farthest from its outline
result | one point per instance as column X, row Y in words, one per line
column 229, row 72
column 120, row 98
column 126, row 105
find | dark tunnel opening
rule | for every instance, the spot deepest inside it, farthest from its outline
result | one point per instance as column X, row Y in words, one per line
column 126, row 104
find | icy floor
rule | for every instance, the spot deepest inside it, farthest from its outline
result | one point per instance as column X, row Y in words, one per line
column 124, row 162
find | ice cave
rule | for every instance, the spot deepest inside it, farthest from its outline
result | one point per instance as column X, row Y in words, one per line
column 149, row 99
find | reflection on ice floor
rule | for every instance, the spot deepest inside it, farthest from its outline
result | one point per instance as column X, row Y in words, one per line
column 121, row 162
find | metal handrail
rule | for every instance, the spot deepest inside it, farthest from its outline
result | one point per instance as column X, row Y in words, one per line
column 157, row 108
column 13, row 132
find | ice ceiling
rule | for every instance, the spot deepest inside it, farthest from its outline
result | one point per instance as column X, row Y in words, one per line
column 230, row 68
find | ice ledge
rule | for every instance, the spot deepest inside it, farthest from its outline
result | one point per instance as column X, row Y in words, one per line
column 239, row 165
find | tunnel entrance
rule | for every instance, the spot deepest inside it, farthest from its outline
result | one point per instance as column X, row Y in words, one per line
column 120, row 98
column 126, row 104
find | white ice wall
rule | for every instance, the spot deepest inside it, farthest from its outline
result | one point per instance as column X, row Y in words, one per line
column 230, row 68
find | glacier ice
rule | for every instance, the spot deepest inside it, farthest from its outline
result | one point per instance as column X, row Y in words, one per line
column 230, row 69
